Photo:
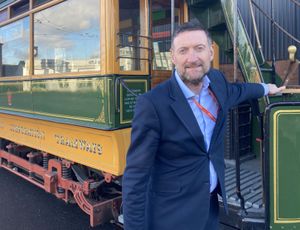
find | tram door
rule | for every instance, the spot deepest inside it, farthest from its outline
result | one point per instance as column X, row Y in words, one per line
column 161, row 36
column 283, row 166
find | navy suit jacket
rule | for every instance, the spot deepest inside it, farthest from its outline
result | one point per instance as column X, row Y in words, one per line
column 166, row 180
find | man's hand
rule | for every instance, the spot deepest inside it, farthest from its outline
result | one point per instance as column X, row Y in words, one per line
column 273, row 89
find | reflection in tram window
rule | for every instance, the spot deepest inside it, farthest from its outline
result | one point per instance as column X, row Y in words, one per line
column 131, row 40
column 19, row 8
column 14, row 48
column 161, row 33
column 67, row 38
column 39, row 2
column 3, row 15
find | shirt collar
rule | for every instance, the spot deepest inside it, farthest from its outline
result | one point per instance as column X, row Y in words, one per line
column 186, row 91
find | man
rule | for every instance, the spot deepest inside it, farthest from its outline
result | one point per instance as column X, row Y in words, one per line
column 175, row 165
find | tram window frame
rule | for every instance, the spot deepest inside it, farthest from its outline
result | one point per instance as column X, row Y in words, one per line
column 144, row 41
column 15, row 30
column 108, row 28
column 161, row 74
column 36, row 3
column 161, row 33
column 47, row 62
column 19, row 8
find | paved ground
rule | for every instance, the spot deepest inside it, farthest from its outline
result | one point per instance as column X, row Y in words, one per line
column 24, row 206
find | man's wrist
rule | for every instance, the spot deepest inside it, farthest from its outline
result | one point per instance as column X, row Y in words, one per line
column 266, row 88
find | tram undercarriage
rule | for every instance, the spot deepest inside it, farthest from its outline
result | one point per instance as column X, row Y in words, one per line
column 100, row 197
column 94, row 192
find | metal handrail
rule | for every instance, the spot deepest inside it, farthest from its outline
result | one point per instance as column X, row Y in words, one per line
column 135, row 35
column 120, row 45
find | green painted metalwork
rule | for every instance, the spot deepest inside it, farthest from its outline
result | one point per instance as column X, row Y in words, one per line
column 246, row 56
column 285, row 98
column 267, row 75
column 100, row 102
column 284, row 161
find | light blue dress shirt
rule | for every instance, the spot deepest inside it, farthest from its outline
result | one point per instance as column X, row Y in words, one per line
column 205, row 123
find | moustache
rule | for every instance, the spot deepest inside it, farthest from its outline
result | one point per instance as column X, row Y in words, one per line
column 193, row 65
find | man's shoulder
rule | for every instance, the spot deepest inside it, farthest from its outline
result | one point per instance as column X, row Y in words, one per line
column 159, row 90
column 215, row 74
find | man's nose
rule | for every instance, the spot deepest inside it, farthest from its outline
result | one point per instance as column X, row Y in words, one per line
column 192, row 56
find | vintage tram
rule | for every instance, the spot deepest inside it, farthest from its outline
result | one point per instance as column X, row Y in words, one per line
column 70, row 72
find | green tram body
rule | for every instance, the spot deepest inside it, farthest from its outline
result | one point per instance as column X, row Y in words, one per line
column 103, row 99
column 99, row 102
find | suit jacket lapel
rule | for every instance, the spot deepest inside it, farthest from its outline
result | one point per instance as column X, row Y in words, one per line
column 185, row 114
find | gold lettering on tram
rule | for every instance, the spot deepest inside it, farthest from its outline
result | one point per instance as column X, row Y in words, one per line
column 83, row 145
column 27, row 131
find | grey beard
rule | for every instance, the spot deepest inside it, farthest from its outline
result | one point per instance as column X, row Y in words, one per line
column 195, row 82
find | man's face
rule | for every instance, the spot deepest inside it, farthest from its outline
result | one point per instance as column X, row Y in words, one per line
column 191, row 55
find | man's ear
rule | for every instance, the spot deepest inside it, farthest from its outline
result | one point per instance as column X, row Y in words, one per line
column 212, row 53
column 172, row 56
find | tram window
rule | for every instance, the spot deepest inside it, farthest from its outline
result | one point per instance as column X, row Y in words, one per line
column 19, row 8
column 39, row 2
column 130, row 40
column 161, row 33
column 67, row 38
column 3, row 15
column 14, row 48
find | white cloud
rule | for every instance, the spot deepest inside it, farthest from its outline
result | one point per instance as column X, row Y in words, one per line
column 71, row 16
column 66, row 24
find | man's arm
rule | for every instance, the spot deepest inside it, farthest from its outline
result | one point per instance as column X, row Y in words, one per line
column 140, row 158
column 240, row 92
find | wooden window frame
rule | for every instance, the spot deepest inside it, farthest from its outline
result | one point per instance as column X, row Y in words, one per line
column 183, row 17
column 109, row 27
column 30, row 14
column 144, row 24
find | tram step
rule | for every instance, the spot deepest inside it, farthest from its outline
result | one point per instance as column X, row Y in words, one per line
column 250, row 184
